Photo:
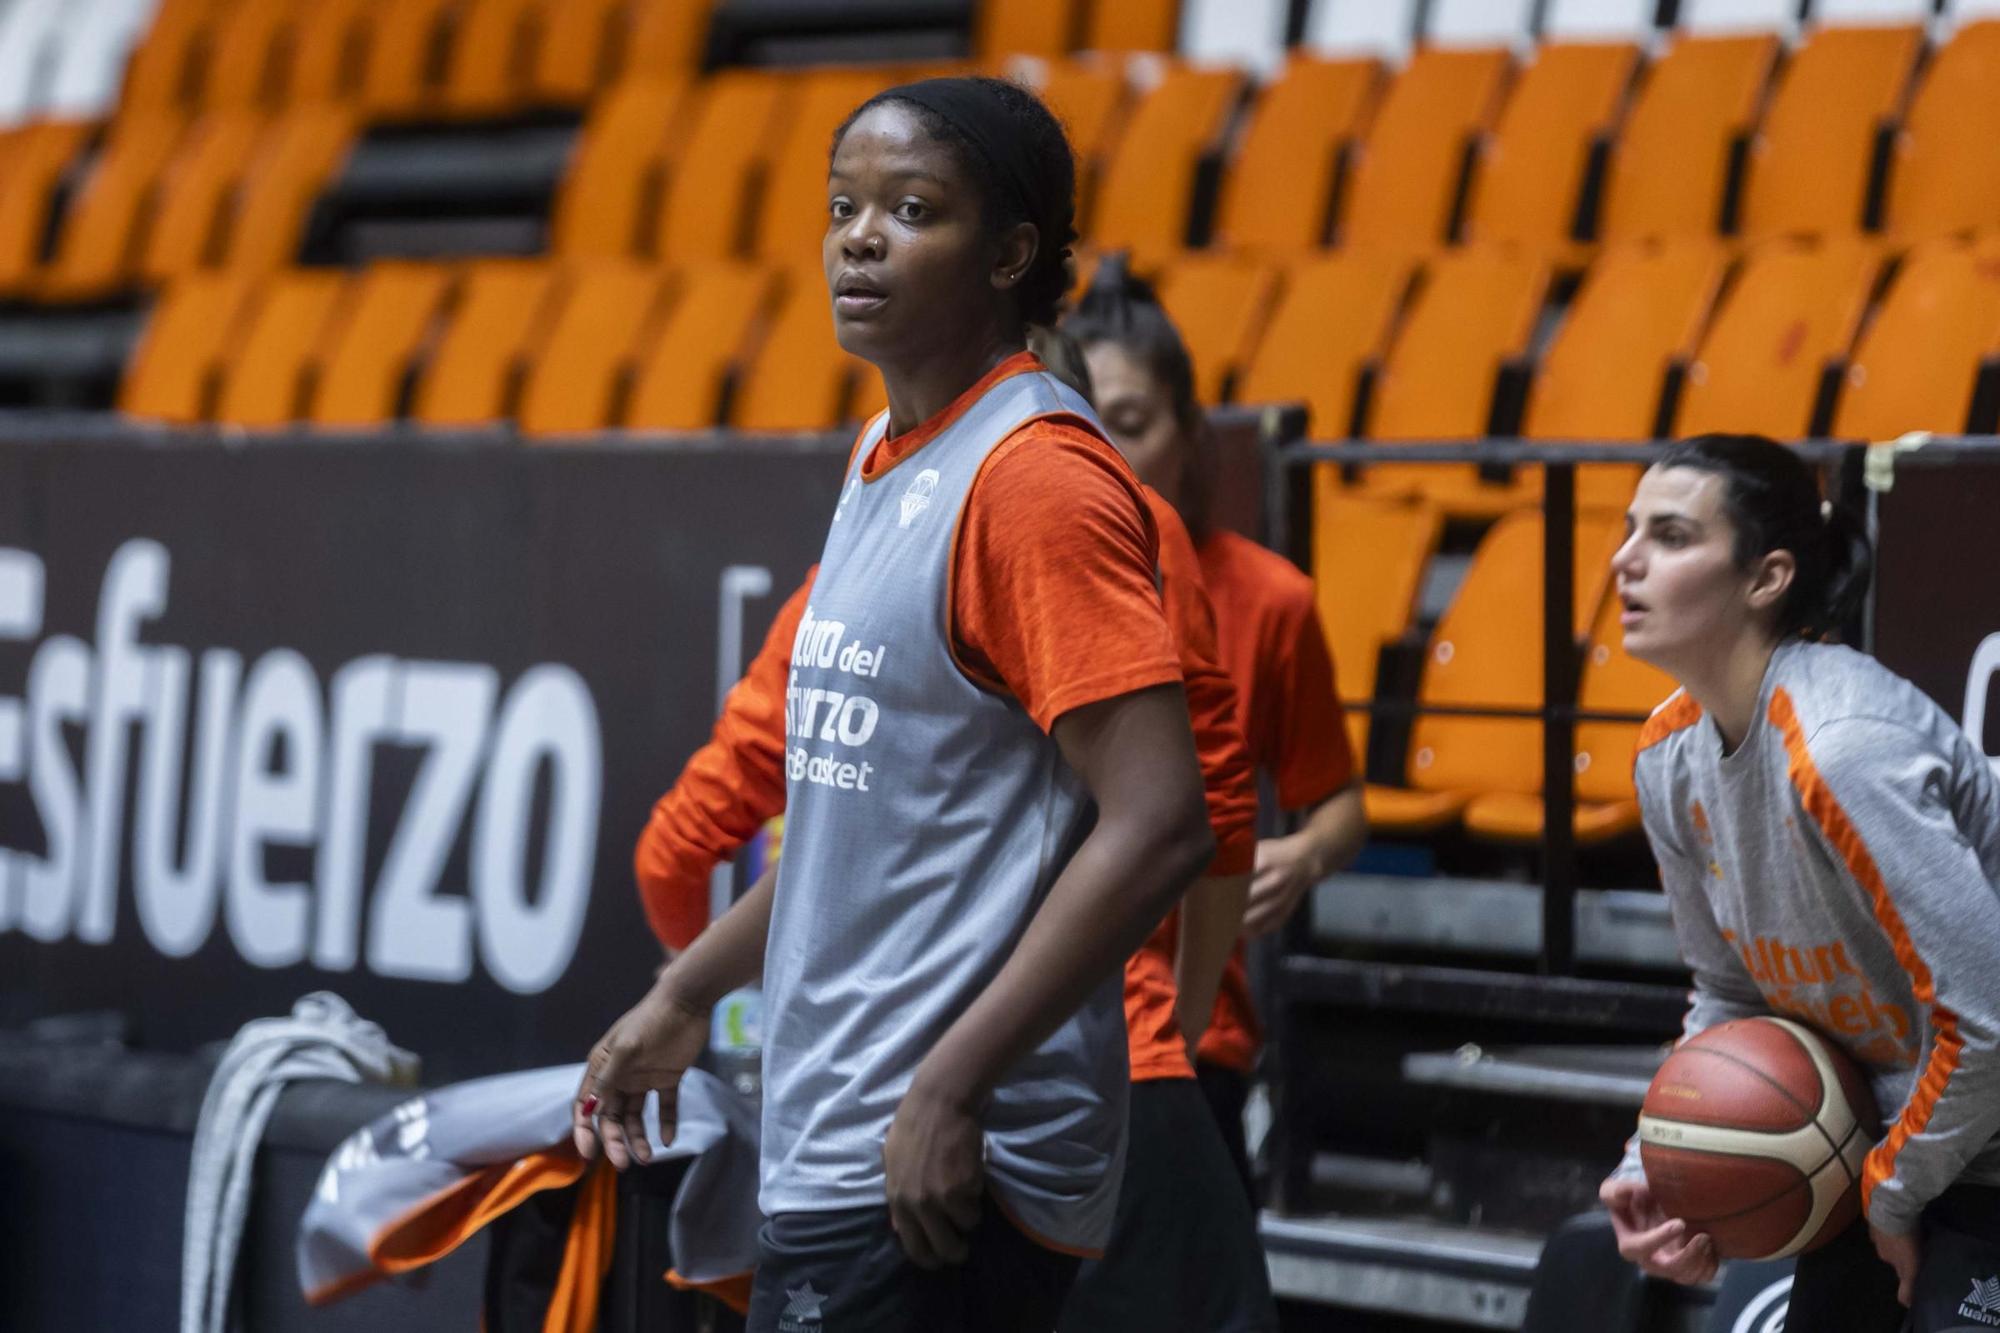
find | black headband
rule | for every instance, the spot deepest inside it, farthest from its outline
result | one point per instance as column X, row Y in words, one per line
column 970, row 107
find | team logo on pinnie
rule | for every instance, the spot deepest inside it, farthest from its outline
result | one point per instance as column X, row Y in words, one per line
column 801, row 1312
column 918, row 498
column 1984, row 1302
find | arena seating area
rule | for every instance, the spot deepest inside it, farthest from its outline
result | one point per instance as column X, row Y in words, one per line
column 1601, row 231
column 1425, row 220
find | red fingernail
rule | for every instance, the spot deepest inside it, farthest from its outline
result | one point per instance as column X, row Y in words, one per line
column 590, row 1106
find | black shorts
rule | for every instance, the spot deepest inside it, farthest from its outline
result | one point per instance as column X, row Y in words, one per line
column 1846, row 1286
column 1184, row 1255
column 1228, row 1091
column 845, row 1272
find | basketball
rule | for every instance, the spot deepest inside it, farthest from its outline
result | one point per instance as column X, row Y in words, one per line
column 1754, row 1132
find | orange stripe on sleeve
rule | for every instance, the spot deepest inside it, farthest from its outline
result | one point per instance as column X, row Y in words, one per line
column 1840, row 833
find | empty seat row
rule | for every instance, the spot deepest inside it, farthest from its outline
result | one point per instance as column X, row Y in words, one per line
column 154, row 194
column 582, row 345
column 1481, row 774
column 405, row 58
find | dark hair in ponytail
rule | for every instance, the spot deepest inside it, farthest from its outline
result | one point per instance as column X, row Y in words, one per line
column 1121, row 307
column 1773, row 502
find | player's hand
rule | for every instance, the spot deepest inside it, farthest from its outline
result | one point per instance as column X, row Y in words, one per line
column 1905, row 1254
column 1661, row 1246
column 1285, row 873
column 647, row 1050
column 934, row 1159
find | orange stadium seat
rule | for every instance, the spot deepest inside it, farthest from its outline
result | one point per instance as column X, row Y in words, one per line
column 799, row 378
column 586, row 364
column 400, row 73
column 297, row 156
column 1026, row 28
column 732, row 131
column 488, row 69
column 166, row 65
column 1131, row 25
column 619, row 170
column 1220, row 304
column 245, row 66
column 1946, row 174
column 577, row 43
column 330, row 51
column 33, row 161
column 1919, row 357
column 1474, row 312
column 482, row 357
column 680, row 377
column 1606, row 805
column 364, row 370
column 1406, row 178
column 101, row 234
column 1089, row 95
column 1333, row 317
column 1641, row 309
column 1369, row 558
column 1670, row 169
column 666, row 37
column 267, row 382
column 1279, row 193
column 175, row 370
column 1148, row 188
column 1810, row 164
column 193, row 190
column 1487, row 652
column 791, row 217
column 1530, row 176
column 1795, row 307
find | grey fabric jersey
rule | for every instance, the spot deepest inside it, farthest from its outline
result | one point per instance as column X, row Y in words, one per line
column 926, row 819
column 1842, row 867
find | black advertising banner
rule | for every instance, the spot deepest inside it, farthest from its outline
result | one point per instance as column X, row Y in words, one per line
column 382, row 717
column 1937, row 586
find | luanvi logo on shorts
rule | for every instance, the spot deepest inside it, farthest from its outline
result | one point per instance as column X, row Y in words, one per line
column 918, row 498
column 801, row 1312
column 1983, row 1304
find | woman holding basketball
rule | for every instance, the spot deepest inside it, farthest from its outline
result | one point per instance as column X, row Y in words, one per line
column 1803, row 801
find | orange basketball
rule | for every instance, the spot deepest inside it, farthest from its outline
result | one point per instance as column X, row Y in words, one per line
column 1754, row 1132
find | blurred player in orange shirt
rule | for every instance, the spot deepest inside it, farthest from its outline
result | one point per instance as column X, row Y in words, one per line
column 1272, row 644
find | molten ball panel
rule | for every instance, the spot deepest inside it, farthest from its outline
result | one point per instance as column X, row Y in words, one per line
column 1705, row 1086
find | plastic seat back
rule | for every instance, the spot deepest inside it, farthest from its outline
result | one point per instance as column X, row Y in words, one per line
column 1794, row 307
column 1670, row 169
column 1333, row 316
column 1278, row 193
column 1810, row 163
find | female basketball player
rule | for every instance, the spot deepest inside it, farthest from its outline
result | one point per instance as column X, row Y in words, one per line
column 1272, row 645
column 1183, row 1252
column 1802, row 800
column 993, row 794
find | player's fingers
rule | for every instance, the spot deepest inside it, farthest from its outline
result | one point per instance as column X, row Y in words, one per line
column 910, row 1231
column 961, row 1208
column 948, row 1242
column 1643, row 1246
column 636, row 1142
column 611, row 1129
